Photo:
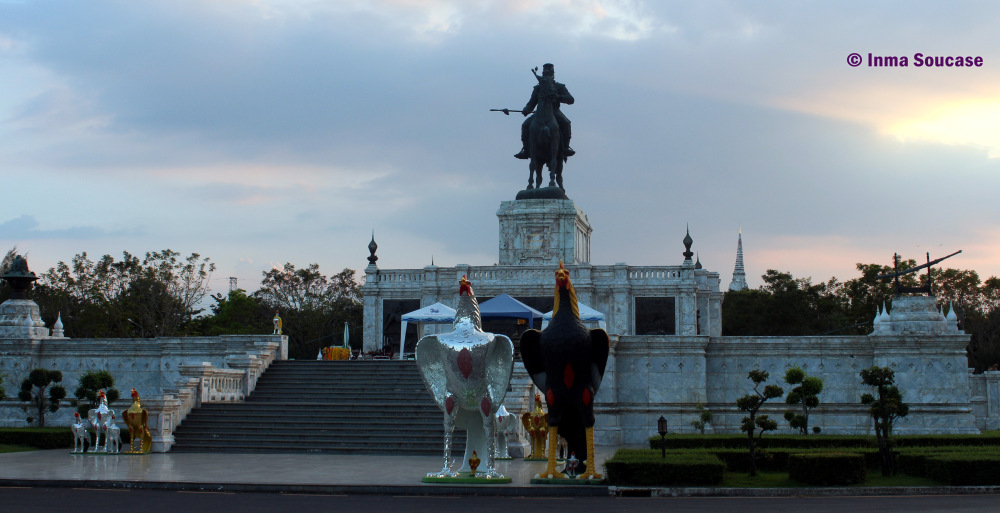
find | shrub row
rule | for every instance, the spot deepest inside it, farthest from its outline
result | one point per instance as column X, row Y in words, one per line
column 827, row 469
column 954, row 466
column 777, row 460
column 45, row 438
column 738, row 441
column 641, row 467
column 42, row 438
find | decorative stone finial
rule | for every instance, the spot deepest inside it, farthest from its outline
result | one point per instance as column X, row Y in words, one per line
column 371, row 248
column 697, row 262
column 687, row 245
column 19, row 278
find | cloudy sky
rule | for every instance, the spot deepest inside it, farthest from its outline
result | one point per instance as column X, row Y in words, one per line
column 259, row 132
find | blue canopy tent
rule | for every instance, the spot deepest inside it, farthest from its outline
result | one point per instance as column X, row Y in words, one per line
column 437, row 313
column 506, row 307
column 587, row 314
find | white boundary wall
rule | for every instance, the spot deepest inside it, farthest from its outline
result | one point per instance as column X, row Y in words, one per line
column 172, row 375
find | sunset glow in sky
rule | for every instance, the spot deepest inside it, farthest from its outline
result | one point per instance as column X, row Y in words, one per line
column 271, row 131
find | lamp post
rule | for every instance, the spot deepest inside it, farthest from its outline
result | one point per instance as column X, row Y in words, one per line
column 661, row 427
column 141, row 330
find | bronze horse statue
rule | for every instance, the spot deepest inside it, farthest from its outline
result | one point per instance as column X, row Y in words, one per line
column 544, row 137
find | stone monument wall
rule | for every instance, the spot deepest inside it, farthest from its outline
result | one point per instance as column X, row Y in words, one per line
column 172, row 375
column 651, row 376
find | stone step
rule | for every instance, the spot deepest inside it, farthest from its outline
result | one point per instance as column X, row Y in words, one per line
column 408, row 408
column 316, row 406
column 244, row 447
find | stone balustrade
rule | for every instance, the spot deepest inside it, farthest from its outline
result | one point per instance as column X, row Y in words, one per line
column 172, row 375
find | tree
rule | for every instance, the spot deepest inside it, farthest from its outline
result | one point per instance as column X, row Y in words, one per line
column 704, row 418
column 235, row 314
column 33, row 392
column 976, row 304
column 155, row 296
column 866, row 294
column 885, row 407
column 87, row 391
column 806, row 394
column 784, row 305
column 313, row 307
column 5, row 265
column 751, row 403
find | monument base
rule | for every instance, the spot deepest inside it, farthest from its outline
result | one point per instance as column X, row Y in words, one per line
column 543, row 231
column 551, row 192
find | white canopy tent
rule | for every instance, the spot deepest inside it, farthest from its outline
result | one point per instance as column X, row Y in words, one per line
column 438, row 313
column 587, row 314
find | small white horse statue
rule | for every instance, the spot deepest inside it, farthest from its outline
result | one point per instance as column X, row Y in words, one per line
column 81, row 437
column 113, row 440
column 99, row 419
column 506, row 427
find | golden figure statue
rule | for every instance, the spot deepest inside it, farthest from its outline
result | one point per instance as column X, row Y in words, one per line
column 474, row 463
column 536, row 424
column 136, row 418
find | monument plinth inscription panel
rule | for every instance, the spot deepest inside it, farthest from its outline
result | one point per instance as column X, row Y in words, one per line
column 543, row 231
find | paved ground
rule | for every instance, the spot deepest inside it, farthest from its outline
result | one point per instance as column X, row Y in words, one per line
column 316, row 473
column 343, row 474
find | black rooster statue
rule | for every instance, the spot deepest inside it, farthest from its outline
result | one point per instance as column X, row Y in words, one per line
column 566, row 360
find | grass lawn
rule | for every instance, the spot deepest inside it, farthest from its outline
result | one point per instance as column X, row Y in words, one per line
column 15, row 448
column 781, row 480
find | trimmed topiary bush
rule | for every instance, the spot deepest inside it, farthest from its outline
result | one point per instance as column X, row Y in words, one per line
column 827, row 469
column 642, row 467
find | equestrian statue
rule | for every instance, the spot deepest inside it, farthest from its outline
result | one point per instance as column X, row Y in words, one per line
column 546, row 132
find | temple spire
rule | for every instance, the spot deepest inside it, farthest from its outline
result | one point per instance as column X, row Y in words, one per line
column 739, row 274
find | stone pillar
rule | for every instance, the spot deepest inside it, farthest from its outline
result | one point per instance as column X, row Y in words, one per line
column 163, row 418
column 621, row 307
column 372, row 338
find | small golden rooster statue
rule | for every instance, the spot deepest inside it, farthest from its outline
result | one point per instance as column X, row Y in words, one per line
column 136, row 418
column 537, row 426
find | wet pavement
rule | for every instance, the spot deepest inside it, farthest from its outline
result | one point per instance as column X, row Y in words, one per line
column 316, row 473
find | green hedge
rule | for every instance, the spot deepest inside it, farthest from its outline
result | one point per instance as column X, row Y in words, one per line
column 735, row 441
column 827, row 469
column 776, row 460
column 641, row 467
column 955, row 465
column 739, row 441
column 42, row 438
column 963, row 469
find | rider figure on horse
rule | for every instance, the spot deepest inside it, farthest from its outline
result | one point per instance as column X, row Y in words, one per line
column 562, row 96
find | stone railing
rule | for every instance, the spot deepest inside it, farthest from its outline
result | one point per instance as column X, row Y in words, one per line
column 654, row 274
column 216, row 385
column 493, row 275
column 224, row 386
column 398, row 276
column 524, row 275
